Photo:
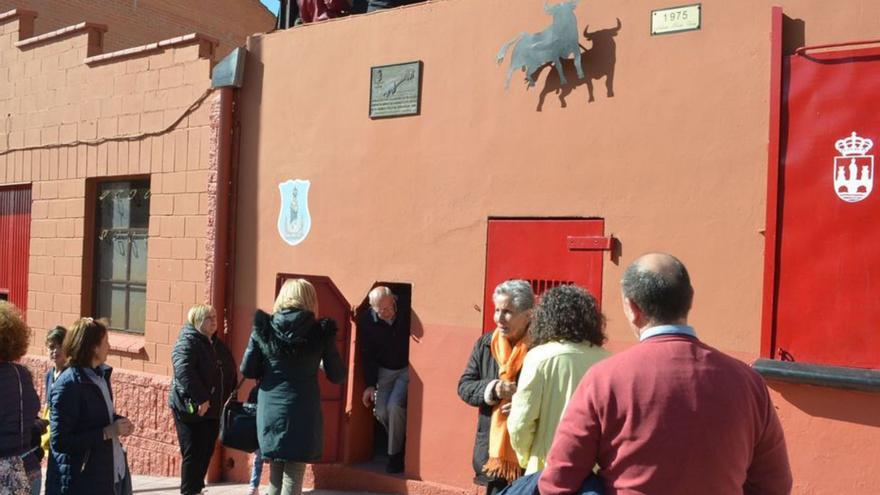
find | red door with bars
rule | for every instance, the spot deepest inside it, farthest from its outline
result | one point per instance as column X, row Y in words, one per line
column 15, row 233
column 547, row 253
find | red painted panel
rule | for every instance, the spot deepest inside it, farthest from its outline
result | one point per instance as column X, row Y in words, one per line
column 331, row 304
column 538, row 250
column 829, row 247
column 15, row 237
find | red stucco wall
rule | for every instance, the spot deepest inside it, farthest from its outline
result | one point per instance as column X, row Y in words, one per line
column 675, row 161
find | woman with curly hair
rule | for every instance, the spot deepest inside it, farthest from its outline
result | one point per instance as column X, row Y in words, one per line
column 565, row 337
column 22, row 405
column 285, row 352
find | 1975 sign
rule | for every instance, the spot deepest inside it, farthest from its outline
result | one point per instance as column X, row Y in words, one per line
column 675, row 19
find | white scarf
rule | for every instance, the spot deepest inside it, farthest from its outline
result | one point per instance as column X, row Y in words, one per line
column 118, row 455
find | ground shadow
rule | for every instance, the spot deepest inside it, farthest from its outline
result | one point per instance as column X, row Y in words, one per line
column 598, row 61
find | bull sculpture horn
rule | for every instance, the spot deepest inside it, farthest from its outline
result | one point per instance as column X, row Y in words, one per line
column 618, row 25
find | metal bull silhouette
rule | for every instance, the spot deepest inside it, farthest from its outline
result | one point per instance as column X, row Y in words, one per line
column 598, row 61
column 559, row 41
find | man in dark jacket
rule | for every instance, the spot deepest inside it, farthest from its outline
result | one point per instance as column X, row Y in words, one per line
column 204, row 376
column 384, row 335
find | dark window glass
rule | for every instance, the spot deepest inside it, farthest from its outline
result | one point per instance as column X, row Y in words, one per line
column 122, row 221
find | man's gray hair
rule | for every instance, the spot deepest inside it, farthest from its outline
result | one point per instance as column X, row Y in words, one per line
column 659, row 284
column 519, row 292
column 378, row 293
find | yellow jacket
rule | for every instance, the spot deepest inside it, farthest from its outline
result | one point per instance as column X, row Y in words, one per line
column 549, row 376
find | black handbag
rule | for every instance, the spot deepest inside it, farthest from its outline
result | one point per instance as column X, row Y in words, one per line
column 238, row 423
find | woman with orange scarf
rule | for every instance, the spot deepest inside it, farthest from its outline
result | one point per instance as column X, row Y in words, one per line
column 489, row 381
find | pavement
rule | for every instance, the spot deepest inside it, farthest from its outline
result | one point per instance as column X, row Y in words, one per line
column 154, row 485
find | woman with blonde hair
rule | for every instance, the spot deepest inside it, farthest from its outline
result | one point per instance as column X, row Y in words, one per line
column 22, row 405
column 285, row 352
column 204, row 376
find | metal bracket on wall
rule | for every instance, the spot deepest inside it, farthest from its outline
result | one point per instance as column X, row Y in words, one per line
column 590, row 243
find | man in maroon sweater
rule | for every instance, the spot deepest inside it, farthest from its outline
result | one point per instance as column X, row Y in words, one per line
column 670, row 415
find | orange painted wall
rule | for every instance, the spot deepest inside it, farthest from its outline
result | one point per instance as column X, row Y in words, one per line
column 676, row 161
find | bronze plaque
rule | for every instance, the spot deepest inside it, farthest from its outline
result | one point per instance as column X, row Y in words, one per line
column 395, row 90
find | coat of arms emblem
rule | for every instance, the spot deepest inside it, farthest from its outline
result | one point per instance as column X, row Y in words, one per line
column 294, row 220
column 854, row 168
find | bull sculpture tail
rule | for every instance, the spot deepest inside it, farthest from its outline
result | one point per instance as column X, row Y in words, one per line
column 500, row 57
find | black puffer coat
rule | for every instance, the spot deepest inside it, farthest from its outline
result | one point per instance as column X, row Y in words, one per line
column 204, row 370
column 481, row 369
column 285, row 351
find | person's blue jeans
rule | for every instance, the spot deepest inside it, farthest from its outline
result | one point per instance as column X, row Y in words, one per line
column 36, row 481
column 257, row 469
column 528, row 485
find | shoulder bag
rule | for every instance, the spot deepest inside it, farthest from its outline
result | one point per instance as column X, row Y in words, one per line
column 238, row 423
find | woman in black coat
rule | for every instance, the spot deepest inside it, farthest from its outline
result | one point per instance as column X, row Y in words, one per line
column 86, row 456
column 285, row 351
column 204, row 376
column 480, row 386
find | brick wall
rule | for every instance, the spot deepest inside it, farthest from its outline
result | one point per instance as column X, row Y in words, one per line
column 145, row 112
column 140, row 397
column 134, row 23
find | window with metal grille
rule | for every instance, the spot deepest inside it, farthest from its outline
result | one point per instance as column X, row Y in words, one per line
column 122, row 220
column 540, row 286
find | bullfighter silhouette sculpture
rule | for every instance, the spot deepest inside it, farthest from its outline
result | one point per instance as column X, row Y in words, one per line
column 531, row 51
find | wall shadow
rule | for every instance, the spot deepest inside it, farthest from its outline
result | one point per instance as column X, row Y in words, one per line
column 831, row 403
column 597, row 62
column 794, row 34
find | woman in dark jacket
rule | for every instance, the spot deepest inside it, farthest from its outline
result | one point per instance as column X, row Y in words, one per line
column 86, row 456
column 285, row 351
column 20, row 402
column 481, row 386
column 204, row 376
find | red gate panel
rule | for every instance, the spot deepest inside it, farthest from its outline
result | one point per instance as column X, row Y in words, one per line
column 829, row 247
column 546, row 252
column 331, row 304
column 15, row 237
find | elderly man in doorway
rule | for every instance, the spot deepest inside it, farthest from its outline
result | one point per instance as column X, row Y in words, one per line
column 670, row 414
column 384, row 336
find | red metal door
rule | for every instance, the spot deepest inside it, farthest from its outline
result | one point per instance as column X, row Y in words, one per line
column 15, row 237
column 546, row 252
column 331, row 304
column 829, row 246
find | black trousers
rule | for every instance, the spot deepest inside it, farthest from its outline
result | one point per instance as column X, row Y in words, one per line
column 196, row 441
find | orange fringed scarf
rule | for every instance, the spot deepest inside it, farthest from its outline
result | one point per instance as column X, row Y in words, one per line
column 503, row 462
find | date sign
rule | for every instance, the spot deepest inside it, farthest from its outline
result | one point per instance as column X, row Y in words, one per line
column 675, row 19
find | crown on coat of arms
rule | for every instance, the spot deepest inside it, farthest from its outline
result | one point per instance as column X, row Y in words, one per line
column 853, row 145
